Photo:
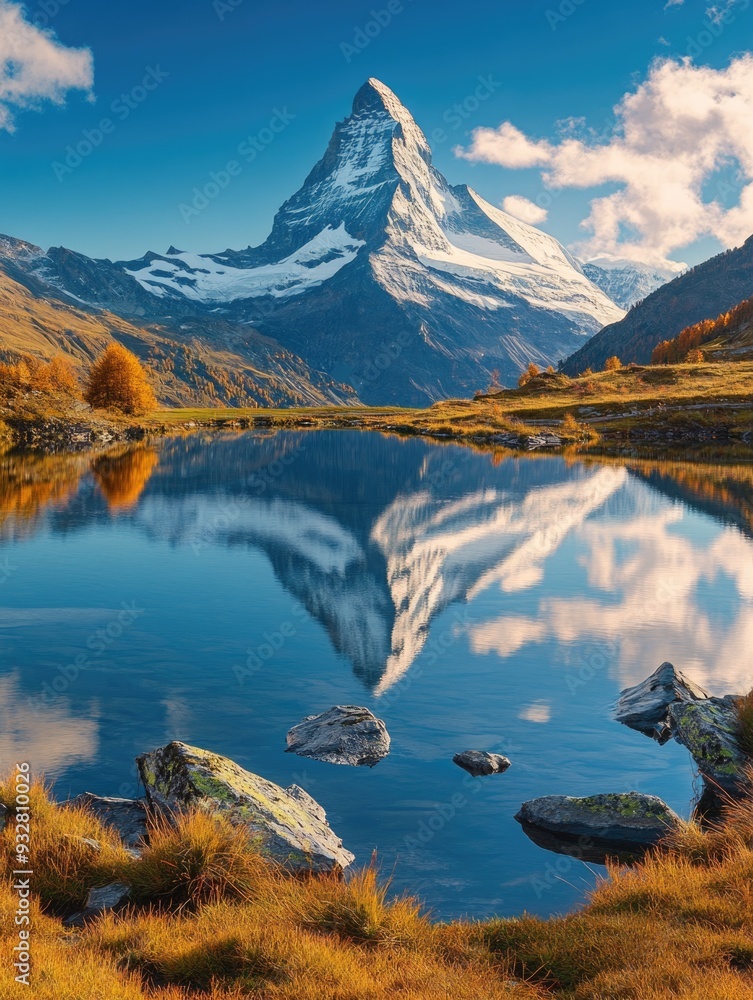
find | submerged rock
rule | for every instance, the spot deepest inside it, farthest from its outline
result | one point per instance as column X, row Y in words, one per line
column 600, row 825
column 709, row 729
column 287, row 826
column 126, row 816
column 346, row 734
column 645, row 707
column 480, row 762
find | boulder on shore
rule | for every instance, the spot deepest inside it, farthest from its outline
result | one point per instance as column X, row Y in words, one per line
column 645, row 707
column 100, row 900
column 480, row 762
column 285, row 825
column 346, row 734
column 600, row 826
column 126, row 816
column 709, row 729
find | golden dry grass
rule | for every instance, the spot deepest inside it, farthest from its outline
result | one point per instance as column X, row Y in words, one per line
column 211, row 919
column 682, row 398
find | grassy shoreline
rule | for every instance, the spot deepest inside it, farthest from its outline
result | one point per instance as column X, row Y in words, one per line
column 208, row 917
column 638, row 406
column 635, row 408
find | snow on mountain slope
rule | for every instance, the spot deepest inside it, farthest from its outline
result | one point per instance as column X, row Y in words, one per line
column 375, row 256
column 205, row 279
column 378, row 170
column 627, row 282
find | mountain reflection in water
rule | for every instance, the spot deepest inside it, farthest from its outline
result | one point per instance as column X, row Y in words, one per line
column 471, row 600
column 376, row 562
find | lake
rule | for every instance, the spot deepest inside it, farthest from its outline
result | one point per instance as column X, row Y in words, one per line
column 217, row 589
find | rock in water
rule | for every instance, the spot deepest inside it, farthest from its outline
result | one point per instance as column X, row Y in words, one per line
column 709, row 730
column 479, row 762
column 286, row 825
column 599, row 826
column 346, row 734
column 645, row 707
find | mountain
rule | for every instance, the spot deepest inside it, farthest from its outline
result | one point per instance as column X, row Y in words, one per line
column 188, row 368
column 707, row 290
column 377, row 272
column 628, row 282
column 729, row 337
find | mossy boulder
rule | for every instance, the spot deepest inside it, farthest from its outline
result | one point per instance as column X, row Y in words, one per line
column 345, row 734
column 286, row 825
column 600, row 825
column 709, row 729
column 645, row 707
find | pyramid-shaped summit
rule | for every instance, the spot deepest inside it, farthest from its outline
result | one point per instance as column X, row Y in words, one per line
column 384, row 276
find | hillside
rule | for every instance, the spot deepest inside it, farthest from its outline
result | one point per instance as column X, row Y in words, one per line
column 189, row 371
column 729, row 337
column 709, row 289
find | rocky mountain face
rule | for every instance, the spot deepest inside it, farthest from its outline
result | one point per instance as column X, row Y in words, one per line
column 628, row 282
column 377, row 272
column 704, row 292
column 198, row 362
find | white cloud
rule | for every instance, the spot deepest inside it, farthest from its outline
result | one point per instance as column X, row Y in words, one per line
column 646, row 581
column 674, row 133
column 673, row 3
column 719, row 12
column 525, row 210
column 35, row 66
column 539, row 712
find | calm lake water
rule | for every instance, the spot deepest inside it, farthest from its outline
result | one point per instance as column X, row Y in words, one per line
column 470, row 602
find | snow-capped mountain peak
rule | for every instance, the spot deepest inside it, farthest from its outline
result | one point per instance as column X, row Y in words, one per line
column 627, row 281
column 375, row 255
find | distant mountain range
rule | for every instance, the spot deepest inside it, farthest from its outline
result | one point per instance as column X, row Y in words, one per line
column 377, row 275
column 702, row 293
column 628, row 282
column 202, row 362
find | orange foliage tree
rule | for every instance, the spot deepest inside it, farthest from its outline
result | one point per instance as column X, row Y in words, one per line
column 690, row 339
column 118, row 381
column 51, row 378
column 531, row 372
column 612, row 364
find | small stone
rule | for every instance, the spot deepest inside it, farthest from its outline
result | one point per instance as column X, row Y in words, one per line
column 100, row 900
column 126, row 816
column 480, row 762
column 346, row 734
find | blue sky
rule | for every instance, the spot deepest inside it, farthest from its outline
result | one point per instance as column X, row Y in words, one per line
column 226, row 68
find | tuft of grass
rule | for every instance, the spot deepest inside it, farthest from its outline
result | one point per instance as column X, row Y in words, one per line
column 72, row 851
column 359, row 911
column 195, row 860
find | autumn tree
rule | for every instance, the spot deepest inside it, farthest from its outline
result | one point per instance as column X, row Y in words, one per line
column 118, row 381
column 612, row 364
column 56, row 377
column 32, row 375
column 531, row 372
